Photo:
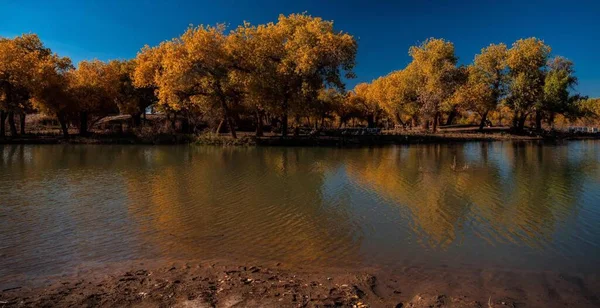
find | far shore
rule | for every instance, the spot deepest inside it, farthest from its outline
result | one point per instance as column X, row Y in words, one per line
column 249, row 138
column 227, row 284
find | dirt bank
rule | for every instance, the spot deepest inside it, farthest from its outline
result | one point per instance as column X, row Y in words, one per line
column 99, row 139
column 218, row 284
column 249, row 139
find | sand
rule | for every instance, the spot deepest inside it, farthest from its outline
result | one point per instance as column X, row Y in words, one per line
column 223, row 284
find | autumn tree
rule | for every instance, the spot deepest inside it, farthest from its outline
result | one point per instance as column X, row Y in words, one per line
column 294, row 58
column 246, row 45
column 398, row 95
column 93, row 86
column 346, row 109
column 487, row 82
column 588, row 108
column 52, row 94
column 294, row 67
column 374, row 95
column 526, row 61
column 436, row 71
column 19, row 58
column 363, row 97
column 196, row 68
column 328, row 101
column 130, row 99
column 559, row 80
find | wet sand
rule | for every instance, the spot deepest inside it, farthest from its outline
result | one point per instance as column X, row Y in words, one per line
column 224, row 284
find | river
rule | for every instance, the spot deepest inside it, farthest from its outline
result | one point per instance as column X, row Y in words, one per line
column 502, row 205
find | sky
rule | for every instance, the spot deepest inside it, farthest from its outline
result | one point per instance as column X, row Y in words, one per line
column 111, row 29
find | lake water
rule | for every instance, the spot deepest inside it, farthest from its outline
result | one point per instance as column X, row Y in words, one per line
column 489, row 205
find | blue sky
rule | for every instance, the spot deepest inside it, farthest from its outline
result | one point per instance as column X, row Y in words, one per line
column 87, row 29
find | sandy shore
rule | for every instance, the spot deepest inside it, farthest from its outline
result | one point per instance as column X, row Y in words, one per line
column 219, row 284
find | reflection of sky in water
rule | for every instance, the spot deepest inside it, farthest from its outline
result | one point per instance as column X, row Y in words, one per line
column 495, row 204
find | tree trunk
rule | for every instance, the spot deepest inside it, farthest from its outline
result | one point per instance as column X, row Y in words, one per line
column 399, row 120
column 64, row 127
column 284, row 119
column 231, row 126
column 136, row 120
column 284, row 124
column 515, row 120
column 218, row 131
column 22, row 119
column 435, row 122
column 551, row 120
column 259, row 124
column 3, row 123
column 451, row 117
column 174, row 121
column 228, row 118
column 538, row 121
column 483, row 120
column 425, row 125
column 11, row 123
column 521, row 122
column 185, row 125
column 370, row 121
column 83, row 123
column 297, row 126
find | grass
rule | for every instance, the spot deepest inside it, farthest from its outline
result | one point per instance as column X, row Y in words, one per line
column 216, row 139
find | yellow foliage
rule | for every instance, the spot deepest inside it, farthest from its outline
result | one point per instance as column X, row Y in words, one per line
column 486, row 82
column 30, row 72
column 435, row 65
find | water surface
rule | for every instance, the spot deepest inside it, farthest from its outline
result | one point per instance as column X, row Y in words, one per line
column 502, row 205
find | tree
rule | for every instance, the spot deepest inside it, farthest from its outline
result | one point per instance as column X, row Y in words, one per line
column 294, row 58
column 396, row 94
column 436, row 72
column 328, row 101
column 362, row 96
column 294, row 67
column 559, row 80
column 346, row 110
column 18, row 60
column 374, row 95
column 589, row 108
column 526, row 61
column 130, row 99
column 52, row 95
column 486, row 83
column 93, row 86
column 31, row 76
column 193, row 69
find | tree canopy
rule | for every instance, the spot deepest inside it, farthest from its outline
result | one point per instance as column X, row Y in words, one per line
column 293, row 71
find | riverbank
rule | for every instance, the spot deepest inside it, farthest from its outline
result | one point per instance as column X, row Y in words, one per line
column 221, row 284
column 249, row 139
column 100, row 139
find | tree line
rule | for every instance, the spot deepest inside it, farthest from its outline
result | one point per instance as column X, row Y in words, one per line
column 522, row 78
column 291, row 71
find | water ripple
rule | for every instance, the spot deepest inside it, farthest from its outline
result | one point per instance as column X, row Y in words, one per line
column 499, row 204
